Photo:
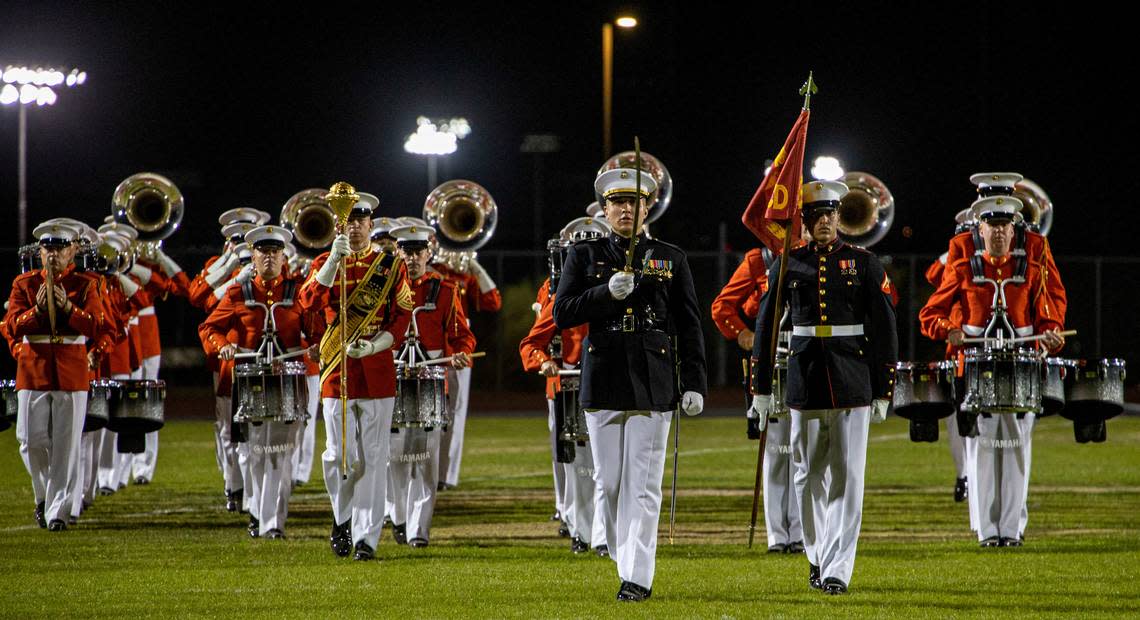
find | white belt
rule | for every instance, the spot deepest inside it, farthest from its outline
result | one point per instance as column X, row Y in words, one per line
column 827, row 331
column 147, row 311
column 57, row 339
column 134, row 321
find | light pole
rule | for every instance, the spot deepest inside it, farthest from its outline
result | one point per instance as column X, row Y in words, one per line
column 433, row 139
column 624, row 21
column 23, row 87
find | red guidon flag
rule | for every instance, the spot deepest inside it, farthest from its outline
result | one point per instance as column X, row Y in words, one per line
column 775, row 208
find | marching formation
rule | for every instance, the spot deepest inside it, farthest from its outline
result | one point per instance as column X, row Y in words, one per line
column 372, row 337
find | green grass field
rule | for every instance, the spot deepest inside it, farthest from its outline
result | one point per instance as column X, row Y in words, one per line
column 169, row 549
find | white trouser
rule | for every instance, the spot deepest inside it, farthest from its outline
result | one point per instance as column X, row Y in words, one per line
column 225, row 449
column 829, row 449
column 303, row 456
column 451, row 443
column 559, row 468
column 580, row 481
column 360, row 497
column 957, row 447
column 49, row 427
column 1030, row 423
column 1002, row 475
column 971, row 444
column 781, row 508
column 629, row 454
column 271, row 446
column 413, row 472
column 144, row 462
column 598, row 532
column 86, row 472
column 113, row 467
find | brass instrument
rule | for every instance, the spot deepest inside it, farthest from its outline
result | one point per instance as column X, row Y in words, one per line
column 1037, row 207
column 866, row 211
column 308, row 215
column 652, row 166
column 464, row 216
column 153, row 205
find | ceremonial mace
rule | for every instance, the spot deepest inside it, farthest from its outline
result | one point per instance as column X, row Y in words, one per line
column 809, row 88
column 342, row 197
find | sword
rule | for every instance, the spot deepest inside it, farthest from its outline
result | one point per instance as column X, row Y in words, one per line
column 676, row 443
column 636, row 206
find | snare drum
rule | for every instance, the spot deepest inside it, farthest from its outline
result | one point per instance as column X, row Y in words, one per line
column 924, row 391
column 1058, row 374
column 421, row 397
column 1002, row 381
column 273, row 392
column 566, row 405
column 1096, row 391
column 137, row 406
column 99, row 404
column 11, row 403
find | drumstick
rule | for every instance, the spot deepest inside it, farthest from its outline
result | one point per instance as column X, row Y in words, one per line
column 570, row 373
column 291, row 355
column 1068, row 332
column 444, row 360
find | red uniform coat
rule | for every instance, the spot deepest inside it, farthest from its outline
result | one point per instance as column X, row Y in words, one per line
column 472, row 299
column 741, row 295
column 533, row 348
column 1037, row 253
column 1029, row 304
column 233, row 322
column 445, row 328
column 373, row 376
column 45, row 363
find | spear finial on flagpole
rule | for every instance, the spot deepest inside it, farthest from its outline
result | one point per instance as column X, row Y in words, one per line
column 807, row 90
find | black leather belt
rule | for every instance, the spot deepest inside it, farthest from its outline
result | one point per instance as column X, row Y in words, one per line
column 631, row 323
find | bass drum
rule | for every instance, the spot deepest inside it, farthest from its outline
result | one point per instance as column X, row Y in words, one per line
column 1096, row 391
column 99, row 404
column 1058, row 377
column 924, row 391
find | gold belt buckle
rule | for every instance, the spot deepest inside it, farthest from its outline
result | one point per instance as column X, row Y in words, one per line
column 55, row 339
column 627, row 323
column 823, row 331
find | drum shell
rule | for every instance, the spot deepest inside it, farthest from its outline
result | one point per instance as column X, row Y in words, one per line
column 99, row 404
column 11, row 403
column 1057, row 374
column 137, row 406
column 1096, row 391
column 780, row 384
column 421, row 397
column 1002, row 381
column 924, row 391
column 574, row 417
column 275, row 392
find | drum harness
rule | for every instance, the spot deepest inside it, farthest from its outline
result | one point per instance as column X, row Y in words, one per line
column 269, row 341
column 408, row 356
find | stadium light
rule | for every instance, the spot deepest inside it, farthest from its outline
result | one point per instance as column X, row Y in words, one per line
column 826, row 168
column 434, row 139
column 23, row 87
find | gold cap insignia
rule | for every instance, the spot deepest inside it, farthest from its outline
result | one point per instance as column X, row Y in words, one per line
column 1000, row 201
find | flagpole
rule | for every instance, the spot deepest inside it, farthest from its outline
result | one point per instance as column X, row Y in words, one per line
column 809, row 88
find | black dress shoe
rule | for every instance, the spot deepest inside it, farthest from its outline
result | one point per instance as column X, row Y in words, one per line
column 795, row 547
column 778, row 548
column 400, row 533
column 992, row 541
column 813, row 577
column 577, row 545
column 603, row 551
column 237, row 497
column 563, row 531
column 274, row 534
column 56, row 525
column 40, row 520
column 831, row 585
column 254, row 528
column 341, row 539
column 960, row 490
column 106, row 491
column 363, row 552
column 141, row 480
column 1010, row 542
column 632, row 592
column 72, row 520
column 418, row 543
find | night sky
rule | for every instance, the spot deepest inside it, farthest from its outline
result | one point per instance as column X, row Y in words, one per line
column 245, row 107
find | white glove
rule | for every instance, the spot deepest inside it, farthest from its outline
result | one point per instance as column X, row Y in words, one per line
column 245, row 274
column 879, row 409
column 168, row 265
column 761, row 406
column 340, row 248
column 621, row 284
column 692, row 403
column 485, row 282
column 216, row 275
column 129, row 286
column 140, row 272
column 364, row 348
column 221, row 262
column 220, row 291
